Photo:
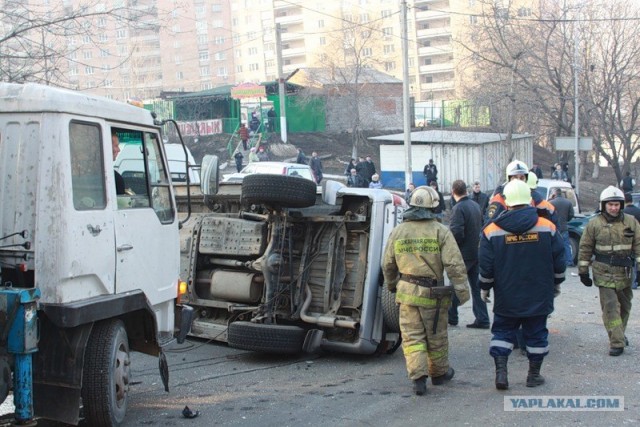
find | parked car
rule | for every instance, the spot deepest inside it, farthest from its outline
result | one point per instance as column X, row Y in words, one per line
column 271, row 168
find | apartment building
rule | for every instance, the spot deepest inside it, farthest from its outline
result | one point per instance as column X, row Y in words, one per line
column 192, row 45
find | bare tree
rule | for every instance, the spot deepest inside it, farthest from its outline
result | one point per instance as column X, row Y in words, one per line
column 344, row 64
column 40, row 42
column 523, row 61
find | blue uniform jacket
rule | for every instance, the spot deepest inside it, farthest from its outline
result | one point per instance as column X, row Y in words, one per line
column 521, row 257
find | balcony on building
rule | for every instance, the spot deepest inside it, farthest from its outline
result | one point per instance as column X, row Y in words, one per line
column 435, row 50
column 434, row 32
column 436, row 68
column 432, row 14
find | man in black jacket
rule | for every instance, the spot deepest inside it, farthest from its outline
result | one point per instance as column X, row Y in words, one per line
column 631, row 209
column 466, row 223
column 564, row 214
column 480, row 198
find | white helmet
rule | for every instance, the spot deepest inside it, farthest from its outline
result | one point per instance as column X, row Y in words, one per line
column 516, row 193
column 517, row 168
column 611, row 194
column 424, row 197
column 532, row 181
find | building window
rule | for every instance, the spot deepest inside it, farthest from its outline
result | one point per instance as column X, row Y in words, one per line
column 177, row 59
column 473, row 19
column 269, row 63
column 364, row 18
column 88, row 70
column 102, row 22
column 204, row 55
column 71, row 41
column 108, row 83
column 428, row 79
column 251, row 35
column 389, row 66
column 388, row 48
column 524, row 11
column 238, row 68
column 202, row 39
column 321, row 23
column 218, row 40
column 253, row 67
column 216, row 8
column 254, row 50
column 86, row 54
column 121, row 34
column 411, row 62
column 217, row 23
column 86, row 39
column 385, row 13
column 427, row 61
column 103, row 38
column 234, row 22
column 179, row 75
column 426, row 43
column 204, row 71
column 387, row 31
column 206, row 86
column 73, row 71
column 236, row 38
column 367, row 51
column 222, row 71
column 220, row 56
column 323, row 41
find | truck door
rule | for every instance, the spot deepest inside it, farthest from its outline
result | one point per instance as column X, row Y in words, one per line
column 147, row 242
column 87, row 258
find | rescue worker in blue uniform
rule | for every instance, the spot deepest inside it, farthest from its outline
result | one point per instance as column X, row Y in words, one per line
column 523, row 291
column 418, row 253
column 518, row 170
column 612, row 238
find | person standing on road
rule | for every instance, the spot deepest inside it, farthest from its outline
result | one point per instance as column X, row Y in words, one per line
column 465, row 225
column 439, row 210
column 633, row 210
column 301, row 159
column 614, row 239
column 354, row 180
column 408, row 192
column 370, row 169
column 417, row 254
column 627, row 183
column 480, row 198
column 316, row 166
column 243, row 133
column 237, row 155
column 430, row 172
column 564, row 213
column 522, row 259
column 517, row 170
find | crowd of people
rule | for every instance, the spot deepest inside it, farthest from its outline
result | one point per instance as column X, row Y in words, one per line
column 482, row 252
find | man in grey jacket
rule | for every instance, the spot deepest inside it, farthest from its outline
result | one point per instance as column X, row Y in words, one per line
column 564, row 212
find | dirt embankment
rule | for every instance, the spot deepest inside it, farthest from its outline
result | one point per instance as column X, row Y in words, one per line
column 335, row 149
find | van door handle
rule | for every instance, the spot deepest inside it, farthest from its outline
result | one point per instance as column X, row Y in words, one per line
column 124, row 248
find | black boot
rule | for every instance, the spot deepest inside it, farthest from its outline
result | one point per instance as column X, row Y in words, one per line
column 441, row 379
column 502, row 382
column 534, row 379
column 420, row 386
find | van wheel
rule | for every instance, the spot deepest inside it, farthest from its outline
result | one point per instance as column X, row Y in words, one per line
column 105, row 378
column 574, row 242
column 278, row 191
column 390, row 310
column 263, row 338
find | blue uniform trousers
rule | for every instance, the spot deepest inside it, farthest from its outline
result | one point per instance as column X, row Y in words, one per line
column 534, row 330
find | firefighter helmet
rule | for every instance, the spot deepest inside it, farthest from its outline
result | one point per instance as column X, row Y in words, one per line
column 532, row 181
column 611, row 194
column 517, row 193
column 517, row 168
column 424, row 197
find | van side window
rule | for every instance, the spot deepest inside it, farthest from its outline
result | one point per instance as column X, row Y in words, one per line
column 158, row 179
column 87, row 167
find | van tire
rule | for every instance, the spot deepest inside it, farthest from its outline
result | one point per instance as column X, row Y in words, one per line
column 263, row 338
column 106, row 374
column 390, row 310
column 278, row 191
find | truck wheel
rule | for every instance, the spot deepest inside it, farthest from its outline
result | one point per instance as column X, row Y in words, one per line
column 105, row 378
column 574, row 242
column 263, row 338
column 278, row 191
column 390, row 310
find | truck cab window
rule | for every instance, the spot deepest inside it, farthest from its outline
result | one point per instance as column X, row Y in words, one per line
column 87, row 167
column 159, row 179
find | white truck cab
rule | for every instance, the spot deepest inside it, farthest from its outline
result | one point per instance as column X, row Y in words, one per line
column 106, row 264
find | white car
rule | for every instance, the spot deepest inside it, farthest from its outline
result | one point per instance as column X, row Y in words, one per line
column 271, row 168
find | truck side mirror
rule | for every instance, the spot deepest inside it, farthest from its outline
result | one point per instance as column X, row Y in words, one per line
column 210, row 176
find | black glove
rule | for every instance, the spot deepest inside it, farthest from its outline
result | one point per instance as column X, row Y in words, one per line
column 586, row 280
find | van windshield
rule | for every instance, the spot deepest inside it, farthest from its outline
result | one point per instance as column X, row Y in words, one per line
column 568, row 193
